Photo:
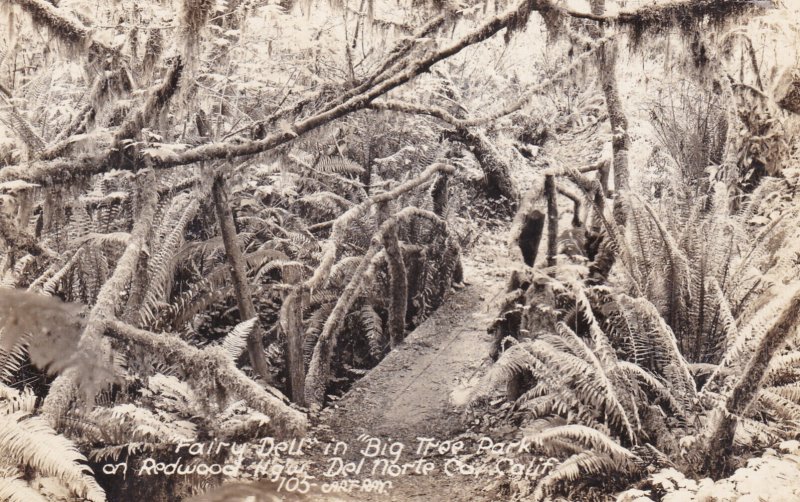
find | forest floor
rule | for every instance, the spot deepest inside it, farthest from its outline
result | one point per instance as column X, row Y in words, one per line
column 421, row 387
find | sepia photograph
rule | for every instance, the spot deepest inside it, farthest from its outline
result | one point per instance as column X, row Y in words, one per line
column 399, row 250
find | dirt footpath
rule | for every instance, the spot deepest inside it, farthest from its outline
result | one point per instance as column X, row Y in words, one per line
column 419, row 389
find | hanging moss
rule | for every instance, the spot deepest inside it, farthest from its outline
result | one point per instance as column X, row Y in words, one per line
column 66, row 28
column 552, row 15
column 689, row 17
column 194, row 16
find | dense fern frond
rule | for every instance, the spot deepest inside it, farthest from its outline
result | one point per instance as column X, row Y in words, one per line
column 567, row 374
column 587, row 437
column 13, row 401
column 338, row 165
column 342, row 271
column 17, row 490
column 790, row 392
column 577, row 467
column 238, row 421
column 729, row 324
column 284, row 267
column 785, row 410
column 372, row 324
column 656, row 385
column 314, row 327
column 30, row 443
column 751, row 334
column 235, row 342
column 145, row 425
column 659, row 340
column 161, row 264
column 11, row 360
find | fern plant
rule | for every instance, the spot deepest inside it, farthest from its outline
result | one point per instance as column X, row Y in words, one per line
column 621, row 376
column 36, row 460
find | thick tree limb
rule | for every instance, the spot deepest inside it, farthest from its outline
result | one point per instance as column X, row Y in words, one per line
column 398, row 280
column 291, row 322
column 319, row 368
column 212, row 366
column 527, row 95
column 576, row 201
column 402, row 49
column 497, row 179
column 91, row 348
column 64, row 171
column 63, row 26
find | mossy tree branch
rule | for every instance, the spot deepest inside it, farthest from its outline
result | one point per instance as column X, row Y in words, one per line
column 319, row 369
column 82, row 370
column 63, row 26
column 211, row 367
column 398, row 280
column 64, row 171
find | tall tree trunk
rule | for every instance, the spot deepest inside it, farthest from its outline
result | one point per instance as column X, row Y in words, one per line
column 552, row 219
column 439, row 195
column 498, row 182
column 531, row 236
column 620, row 142
column 291, row 319
column 398, row 280
column 720, row 444
column 241, row 287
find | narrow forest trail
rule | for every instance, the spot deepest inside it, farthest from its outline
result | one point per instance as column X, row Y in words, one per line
column 419, row 389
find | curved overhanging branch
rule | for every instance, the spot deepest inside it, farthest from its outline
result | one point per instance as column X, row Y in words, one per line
column 341, row 223
column 63, row 171
column 63, row 26
column 91, row 349
column 402, row 49
column 527, row 96
column 66, row 170
column 319, row 367
column 201, row 366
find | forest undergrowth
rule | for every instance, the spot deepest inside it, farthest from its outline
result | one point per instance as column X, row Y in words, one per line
column 215, row 217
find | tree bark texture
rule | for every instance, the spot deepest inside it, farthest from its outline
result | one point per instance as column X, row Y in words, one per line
column 552, row 219
column 398, row 282
column 291, row 320
column 498, row 182
column 233, row 253
column 720, row 444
